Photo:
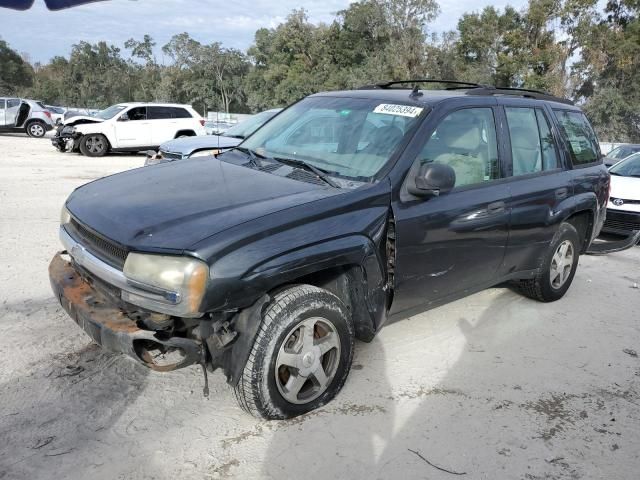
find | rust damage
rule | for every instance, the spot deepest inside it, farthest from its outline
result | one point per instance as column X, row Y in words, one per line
column 111, row 328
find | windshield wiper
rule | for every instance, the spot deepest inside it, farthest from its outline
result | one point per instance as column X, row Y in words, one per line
column 253, row 157
column 320, row 173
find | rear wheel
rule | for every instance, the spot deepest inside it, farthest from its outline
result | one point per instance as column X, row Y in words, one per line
column 36, row 129
column 558, row 269
column 301, row 355
column 94, row 145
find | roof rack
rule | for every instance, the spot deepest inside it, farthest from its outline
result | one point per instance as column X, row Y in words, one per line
column 473, row 89
column 419, row 80
column 520, row 92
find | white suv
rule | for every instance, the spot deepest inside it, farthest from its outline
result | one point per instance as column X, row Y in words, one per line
column 128, row 127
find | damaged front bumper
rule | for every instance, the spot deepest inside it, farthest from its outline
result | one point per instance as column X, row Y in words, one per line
column 109, row 326
column 66, row 139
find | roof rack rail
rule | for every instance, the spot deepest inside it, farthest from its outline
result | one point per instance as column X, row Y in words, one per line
column 521, row 92
column 472, row 89
column 420, row 80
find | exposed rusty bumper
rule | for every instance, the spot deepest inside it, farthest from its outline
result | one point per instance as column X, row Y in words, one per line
column 109, row 326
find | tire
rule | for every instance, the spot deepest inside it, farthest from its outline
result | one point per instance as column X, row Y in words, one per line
column 36, row 129
column 552, row 282
column 268, row 388
column 94, row 145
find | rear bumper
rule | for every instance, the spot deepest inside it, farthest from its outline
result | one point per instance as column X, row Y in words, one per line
column 110, row 327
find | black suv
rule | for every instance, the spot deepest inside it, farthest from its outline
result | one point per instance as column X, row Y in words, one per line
column 345, row 210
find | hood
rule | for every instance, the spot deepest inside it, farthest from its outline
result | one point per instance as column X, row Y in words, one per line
column 627, row 188
column 84, row 118
column 174, row 205
column 188, row 145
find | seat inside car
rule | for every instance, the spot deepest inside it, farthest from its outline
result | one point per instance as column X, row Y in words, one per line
column 462, row 151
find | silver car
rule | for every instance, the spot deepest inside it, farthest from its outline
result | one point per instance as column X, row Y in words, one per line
column 24, row 115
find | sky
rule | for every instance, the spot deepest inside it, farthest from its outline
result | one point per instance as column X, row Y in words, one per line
column 42, row 34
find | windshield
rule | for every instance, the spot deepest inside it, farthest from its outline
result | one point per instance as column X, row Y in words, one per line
column 250, row 125
column 349, row 137
column 110, row 112
column 622, row 152
column 629, row 167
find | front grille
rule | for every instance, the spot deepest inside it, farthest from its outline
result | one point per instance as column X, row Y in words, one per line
column 621, row 222
column 106, row 250
column 625, row 201
column 172, row 155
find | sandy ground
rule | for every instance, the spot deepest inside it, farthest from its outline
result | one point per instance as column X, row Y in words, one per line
column 494, row 386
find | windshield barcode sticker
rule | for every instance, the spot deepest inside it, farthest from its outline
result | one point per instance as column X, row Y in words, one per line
column 402, row 110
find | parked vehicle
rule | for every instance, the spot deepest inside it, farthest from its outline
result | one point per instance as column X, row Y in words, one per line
column 57, row 114
column 24, row 115
column 182, row 148
column 344, row 211
column 217, row 128
column 623, row 209
column 620, row 152
column 127, row 127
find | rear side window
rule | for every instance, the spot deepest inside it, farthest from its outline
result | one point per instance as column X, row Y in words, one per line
column 2, row 103
column 583, row 145
column 163, row 113
column 13, row 102
column 532, row 146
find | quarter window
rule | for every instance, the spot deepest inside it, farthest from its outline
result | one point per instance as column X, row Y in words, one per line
column 466, row 141
column 2, row 103
column 532, row 146
column 583, row 145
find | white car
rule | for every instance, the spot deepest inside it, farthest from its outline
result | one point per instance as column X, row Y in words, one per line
column 623, row 209
column 128, row 127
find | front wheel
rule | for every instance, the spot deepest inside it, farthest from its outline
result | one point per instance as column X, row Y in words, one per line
column 36, row 129
column 94, row 145
column 301, row 356
column 558, row 268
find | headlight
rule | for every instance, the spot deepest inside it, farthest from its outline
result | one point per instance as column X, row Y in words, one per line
column 205, row 153
column 175, row 285
column 65, row 216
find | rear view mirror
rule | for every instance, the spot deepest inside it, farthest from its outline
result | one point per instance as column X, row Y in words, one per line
column 432, row 180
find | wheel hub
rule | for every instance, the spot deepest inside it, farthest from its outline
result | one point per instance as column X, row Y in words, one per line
column 307, row 360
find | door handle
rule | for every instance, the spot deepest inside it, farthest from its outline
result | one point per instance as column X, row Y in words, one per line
column 496, row 207
column 562, row 193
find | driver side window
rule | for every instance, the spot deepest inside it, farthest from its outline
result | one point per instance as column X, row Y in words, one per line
column 466, row 141
column 137, row 113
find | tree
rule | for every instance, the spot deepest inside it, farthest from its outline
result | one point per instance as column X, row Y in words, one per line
column 15, row 73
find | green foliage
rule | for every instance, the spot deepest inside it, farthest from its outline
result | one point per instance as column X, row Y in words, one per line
column 15, row 73
column 571, row 48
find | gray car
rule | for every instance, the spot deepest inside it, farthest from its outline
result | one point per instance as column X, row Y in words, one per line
column 188, row 147
column 621, row 152
column 24, row 115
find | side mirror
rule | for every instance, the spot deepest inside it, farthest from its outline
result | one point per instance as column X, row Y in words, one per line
column 123, row 118
column 432, row 180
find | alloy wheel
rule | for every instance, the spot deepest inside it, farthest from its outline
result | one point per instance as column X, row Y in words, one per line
column 36, row 130
column 561, row 264
column 307, row 360
column 94, row 144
